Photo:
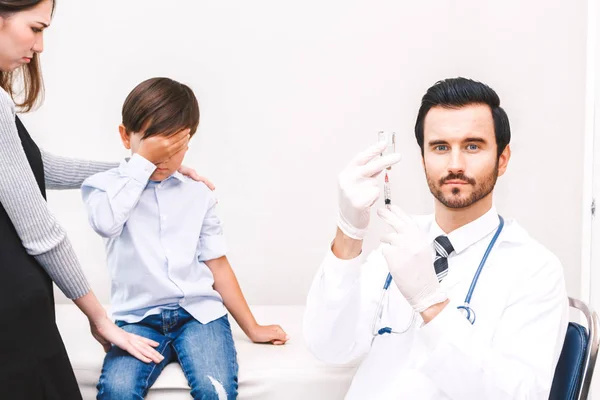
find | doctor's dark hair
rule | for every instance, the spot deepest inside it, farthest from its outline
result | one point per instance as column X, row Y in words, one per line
column 32, row 85
column 161, row 106
column 459, row 92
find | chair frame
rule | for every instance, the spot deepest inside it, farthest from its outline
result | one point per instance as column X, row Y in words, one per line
column 591, row 351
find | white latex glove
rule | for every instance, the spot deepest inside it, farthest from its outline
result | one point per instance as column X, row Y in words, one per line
column 359, row 189
column 410, row 260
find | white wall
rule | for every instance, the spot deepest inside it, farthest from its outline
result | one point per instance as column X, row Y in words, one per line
column 591, row 228
column 290, row 91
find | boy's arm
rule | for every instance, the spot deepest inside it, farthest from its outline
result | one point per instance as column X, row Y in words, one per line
column 211, row 250
column 228, row 287
column 109, row 197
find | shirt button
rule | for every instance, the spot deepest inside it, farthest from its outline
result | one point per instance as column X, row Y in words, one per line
column 163, row 217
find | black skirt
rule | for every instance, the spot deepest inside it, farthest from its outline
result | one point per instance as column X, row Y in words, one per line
column 33, row 361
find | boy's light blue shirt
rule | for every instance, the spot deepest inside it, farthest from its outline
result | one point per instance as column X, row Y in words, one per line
column 157, row 237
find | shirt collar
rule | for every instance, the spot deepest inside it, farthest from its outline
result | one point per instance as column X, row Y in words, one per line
column 469, row 234
column 124, row 162
column 178, row 175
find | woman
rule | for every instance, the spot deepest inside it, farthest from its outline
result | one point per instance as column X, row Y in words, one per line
column 34, row 249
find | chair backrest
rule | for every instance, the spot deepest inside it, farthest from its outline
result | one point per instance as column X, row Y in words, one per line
column 575, row 367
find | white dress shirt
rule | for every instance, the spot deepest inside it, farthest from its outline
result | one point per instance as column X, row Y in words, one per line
column 157, row 237
column 510, row 352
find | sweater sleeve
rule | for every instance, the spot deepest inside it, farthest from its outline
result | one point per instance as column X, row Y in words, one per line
column 69, row 173
column 38, row 229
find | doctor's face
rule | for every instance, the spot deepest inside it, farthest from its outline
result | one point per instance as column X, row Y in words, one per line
column 460, row 155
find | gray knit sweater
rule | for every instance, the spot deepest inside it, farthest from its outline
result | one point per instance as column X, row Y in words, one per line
column 41, row 234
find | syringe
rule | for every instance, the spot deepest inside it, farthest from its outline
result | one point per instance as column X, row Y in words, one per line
column 387, row 195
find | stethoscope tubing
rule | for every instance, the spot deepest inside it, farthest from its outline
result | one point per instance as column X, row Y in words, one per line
column 466, row 307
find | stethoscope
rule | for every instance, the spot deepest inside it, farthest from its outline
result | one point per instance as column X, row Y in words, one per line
column 466, row 309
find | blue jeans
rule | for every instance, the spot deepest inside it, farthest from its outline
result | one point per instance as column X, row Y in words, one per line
column 206, row 353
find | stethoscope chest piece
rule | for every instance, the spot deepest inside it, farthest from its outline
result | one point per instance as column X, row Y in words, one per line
column 468, row 312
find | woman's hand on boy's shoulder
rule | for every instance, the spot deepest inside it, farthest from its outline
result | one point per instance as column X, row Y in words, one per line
column 273, row 334
column 192, row 174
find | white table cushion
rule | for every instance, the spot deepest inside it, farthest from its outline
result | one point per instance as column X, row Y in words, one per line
column 266, row 372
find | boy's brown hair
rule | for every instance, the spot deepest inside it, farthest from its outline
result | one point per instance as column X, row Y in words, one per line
column 161, row 106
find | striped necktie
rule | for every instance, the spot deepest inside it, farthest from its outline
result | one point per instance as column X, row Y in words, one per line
column 443, row 248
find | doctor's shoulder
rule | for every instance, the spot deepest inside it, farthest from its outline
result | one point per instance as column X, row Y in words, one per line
column 528, row 256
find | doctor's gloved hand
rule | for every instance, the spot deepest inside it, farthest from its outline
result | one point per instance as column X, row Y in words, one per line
column 359, row 189
column 409, row 256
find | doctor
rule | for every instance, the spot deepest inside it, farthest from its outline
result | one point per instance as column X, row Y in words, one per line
column 413, row 340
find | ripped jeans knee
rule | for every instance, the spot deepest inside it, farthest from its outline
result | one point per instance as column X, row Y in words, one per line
column 213, row 388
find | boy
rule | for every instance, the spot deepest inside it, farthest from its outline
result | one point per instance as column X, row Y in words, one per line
column 171, row 280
